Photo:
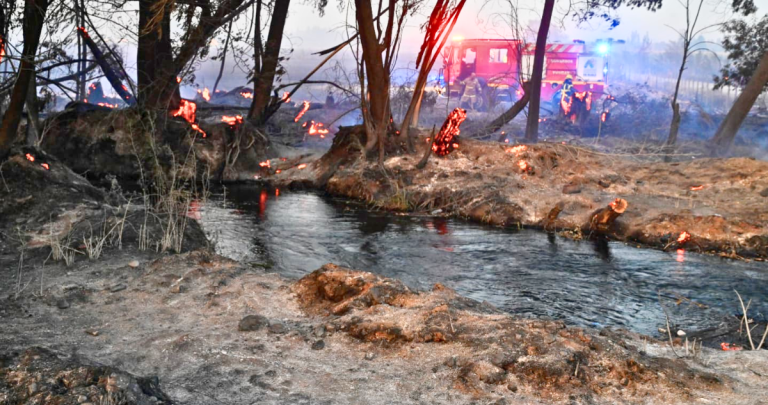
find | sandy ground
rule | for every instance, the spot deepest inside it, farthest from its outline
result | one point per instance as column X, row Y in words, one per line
column 721, row 203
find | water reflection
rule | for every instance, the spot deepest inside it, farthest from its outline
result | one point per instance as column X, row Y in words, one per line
column 525, row 272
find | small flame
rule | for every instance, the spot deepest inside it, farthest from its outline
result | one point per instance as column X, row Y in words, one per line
column 604, row 116
column 285, row 97
column 237, row 119
column 697, row 188
column 107, row 105
column 246, row 94
column 517, row 149
column 301, row 166
column 683, row 238
column 317, row 129
column 206, row 94
column 178, row 79
column 277, row 192
column 198, row 129
column 2, row 49
column 304, row 109
column 278, row 171
column 187, row 110
column 45, row 165
column 265, row 164
column 30, row 157
column 523, row 166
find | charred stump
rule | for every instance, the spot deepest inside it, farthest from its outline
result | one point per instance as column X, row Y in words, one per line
column 602, row 220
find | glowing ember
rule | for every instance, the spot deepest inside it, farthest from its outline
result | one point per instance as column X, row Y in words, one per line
column 45, row 165
column 301, row 166
column 317, row 129
column 604, row 116
column 237, row 119
column 246, row 94
column 277, row 192
column 187, row 110
column 516, row 149
column 2, row 49
column 178, row 79
column 285, row 97
column 697, row 188
column 30, row 157
column 107, row 105
column 729, row 347
column 566, row 106
column 524, row 166
column 683, row 238
column 445, row 140
column 206, row 94
column 265, row 164
column 304, row 109
column 278, row 171
column 198, row 129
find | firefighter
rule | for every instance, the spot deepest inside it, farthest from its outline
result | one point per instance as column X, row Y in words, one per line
column 471, row 90
column 567, row 89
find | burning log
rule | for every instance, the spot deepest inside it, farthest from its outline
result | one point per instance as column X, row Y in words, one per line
column 684, row 238
column 447, row 139
column 31, row 158
column 232, row 121
column 603, row 219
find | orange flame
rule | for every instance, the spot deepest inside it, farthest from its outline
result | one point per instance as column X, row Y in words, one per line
column 516, row 149
column 265, row 164
column 198, row 129
column 107, row 105
column 445, row 139
column 523, row 166
column 604, row 116
column 30, row 157
column 45, row 165
column 301, row 166
column 285, row 98
column 237, row 119
column 317, row 129
column 684, row 237
column 2, row 49
column 187, row 110
column 697, row 188
column 246, row 94
column 206, row 94
column 178, row 79
column 278, row 171
column 304, row 109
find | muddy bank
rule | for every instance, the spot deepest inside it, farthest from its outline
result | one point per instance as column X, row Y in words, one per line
column 557, row 187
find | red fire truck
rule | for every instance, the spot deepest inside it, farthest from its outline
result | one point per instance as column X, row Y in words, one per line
column 501, row 65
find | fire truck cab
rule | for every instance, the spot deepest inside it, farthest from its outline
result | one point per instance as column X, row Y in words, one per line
column 501, row 65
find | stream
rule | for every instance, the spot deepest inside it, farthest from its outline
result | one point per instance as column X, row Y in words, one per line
column 525, row 272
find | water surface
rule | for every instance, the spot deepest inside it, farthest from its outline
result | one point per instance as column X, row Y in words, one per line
column 526, row 272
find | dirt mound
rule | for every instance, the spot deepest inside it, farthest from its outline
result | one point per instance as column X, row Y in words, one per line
column 542, row 359
column 41, row 376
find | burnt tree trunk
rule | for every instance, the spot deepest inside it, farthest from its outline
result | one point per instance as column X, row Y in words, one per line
column 33, row 118
column 532, row 126
column 154, row 60
column 674, row 127
column 270, row 60
column 510, row 114
column 727, row 130
column 34, row 18
column 376, row 74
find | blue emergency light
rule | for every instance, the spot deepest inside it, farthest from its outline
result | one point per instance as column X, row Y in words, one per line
column 603, row 48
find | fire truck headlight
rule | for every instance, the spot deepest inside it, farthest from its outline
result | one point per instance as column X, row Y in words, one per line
column 603, row 48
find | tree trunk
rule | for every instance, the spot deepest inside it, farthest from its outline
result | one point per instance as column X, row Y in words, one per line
column 378, row 77
column 532, row 126
column 510, row 114
column 34, row 18
column 157, row 85
column 223, row 58
column 270, row 60
column 723, row 139
column 674, row 127
column 33, row 118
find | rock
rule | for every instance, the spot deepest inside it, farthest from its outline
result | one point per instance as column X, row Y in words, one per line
column 133, row 263
column 81, row 399
column 764, row 193
column 92, row 332
column 603, row 183
column 319, row 331
column 512, row 387
column 571, row 189
column 118, row 287
column 277, row 328
column 319, row 345
column 680, row 333
column 252, row 323
column 370, row 356
column 62, row 304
